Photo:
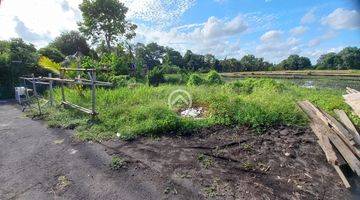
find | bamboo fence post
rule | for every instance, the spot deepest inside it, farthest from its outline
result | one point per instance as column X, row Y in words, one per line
column 51, row 90
column 62, row 73
column 35, row 93
column 93, row 93
column 34, row 84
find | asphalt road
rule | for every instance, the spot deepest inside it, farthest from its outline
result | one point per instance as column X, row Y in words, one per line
column 41, row 163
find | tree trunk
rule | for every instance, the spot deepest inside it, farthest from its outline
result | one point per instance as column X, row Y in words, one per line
column 108, row 42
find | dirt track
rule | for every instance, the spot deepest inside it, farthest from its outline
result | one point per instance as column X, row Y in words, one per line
column 217, row 163
column 40, row 163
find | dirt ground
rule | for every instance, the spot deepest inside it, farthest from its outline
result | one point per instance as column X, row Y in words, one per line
column 235, row 163
column 218, row 163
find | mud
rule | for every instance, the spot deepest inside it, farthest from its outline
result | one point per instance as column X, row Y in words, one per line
column 236, row 163
column 216, row 163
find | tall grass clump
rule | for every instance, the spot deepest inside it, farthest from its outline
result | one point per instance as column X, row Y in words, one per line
column 195, row 80
column 213, row 78
column 155, row 76
column 249, row 85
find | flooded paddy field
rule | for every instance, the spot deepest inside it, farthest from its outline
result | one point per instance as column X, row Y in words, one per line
column 318, row 82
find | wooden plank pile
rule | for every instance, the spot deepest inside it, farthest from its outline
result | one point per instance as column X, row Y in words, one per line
column 339, row 140
column 353, row 99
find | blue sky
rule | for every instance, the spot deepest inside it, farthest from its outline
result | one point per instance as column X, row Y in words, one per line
column 272, row 29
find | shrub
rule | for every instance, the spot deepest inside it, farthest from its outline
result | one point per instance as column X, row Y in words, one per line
column 173, row 79
column 194, row 80
column 119, row 81
column 214, row 78
column 52, row 53
column 155, row 76
column 171, row 69
column 248, row 85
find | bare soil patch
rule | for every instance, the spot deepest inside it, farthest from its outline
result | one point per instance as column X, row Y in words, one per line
column 236, row 163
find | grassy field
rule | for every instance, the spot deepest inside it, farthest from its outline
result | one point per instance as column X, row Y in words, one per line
column 141, row 110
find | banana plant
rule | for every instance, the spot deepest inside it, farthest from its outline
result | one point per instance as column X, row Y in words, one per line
column 46, row 63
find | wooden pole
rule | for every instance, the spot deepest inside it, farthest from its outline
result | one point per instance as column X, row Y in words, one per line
column 35, row 93
column 93, row 94
column 34, row 84
column 62, row 73
column 51, row 91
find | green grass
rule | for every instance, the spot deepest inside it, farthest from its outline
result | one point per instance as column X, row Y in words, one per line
column 144, row 111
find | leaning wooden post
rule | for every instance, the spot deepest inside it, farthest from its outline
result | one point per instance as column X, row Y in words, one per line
column 34, row 84
column 93, row 94
column 35, row 93
column 51, row 90
column 62, row 74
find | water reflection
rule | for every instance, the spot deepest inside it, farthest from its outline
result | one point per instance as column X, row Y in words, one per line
column 319, row 82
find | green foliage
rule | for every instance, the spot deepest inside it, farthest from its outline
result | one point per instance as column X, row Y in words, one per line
column 68, row 43
column 129, row 112
column 48, row 64
column 171, row 69
column 17, row 58
column 173, row 58
column 348, row 58
column 329, row 61
column 149, row 56
column 205, row 161
column 194, row 62
column 119, row 81
column 117, row 163
column 155, row 76
column 213, row 78
column 52, row 53
column 105, row 20
column 247, row 86
column 295, row 62
column 195, row 80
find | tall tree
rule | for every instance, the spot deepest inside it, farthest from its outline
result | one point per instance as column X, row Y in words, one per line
column 210, row 61
column 329, row 61
column 248, row 62
column 150, row 55
column 68, row 43
column 52, row 53
column 194, row 61
column 17, row 58
column 105, row 20
column 295, row 62
column 350, row 57
column 173, row 57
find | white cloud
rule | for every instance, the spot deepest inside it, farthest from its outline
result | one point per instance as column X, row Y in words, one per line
column 271, row 36
column 342, row 19
column 298, row 30
column 275, row 47
column 314, row 54
column 220, row 1
column 209, row 37
column 159, row 12
column 215, row 28
column 37, row 21
column 323, row 38
column 309, row 17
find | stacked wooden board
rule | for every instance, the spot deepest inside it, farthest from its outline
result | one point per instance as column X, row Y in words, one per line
column 339, row 140
column 353, row 99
